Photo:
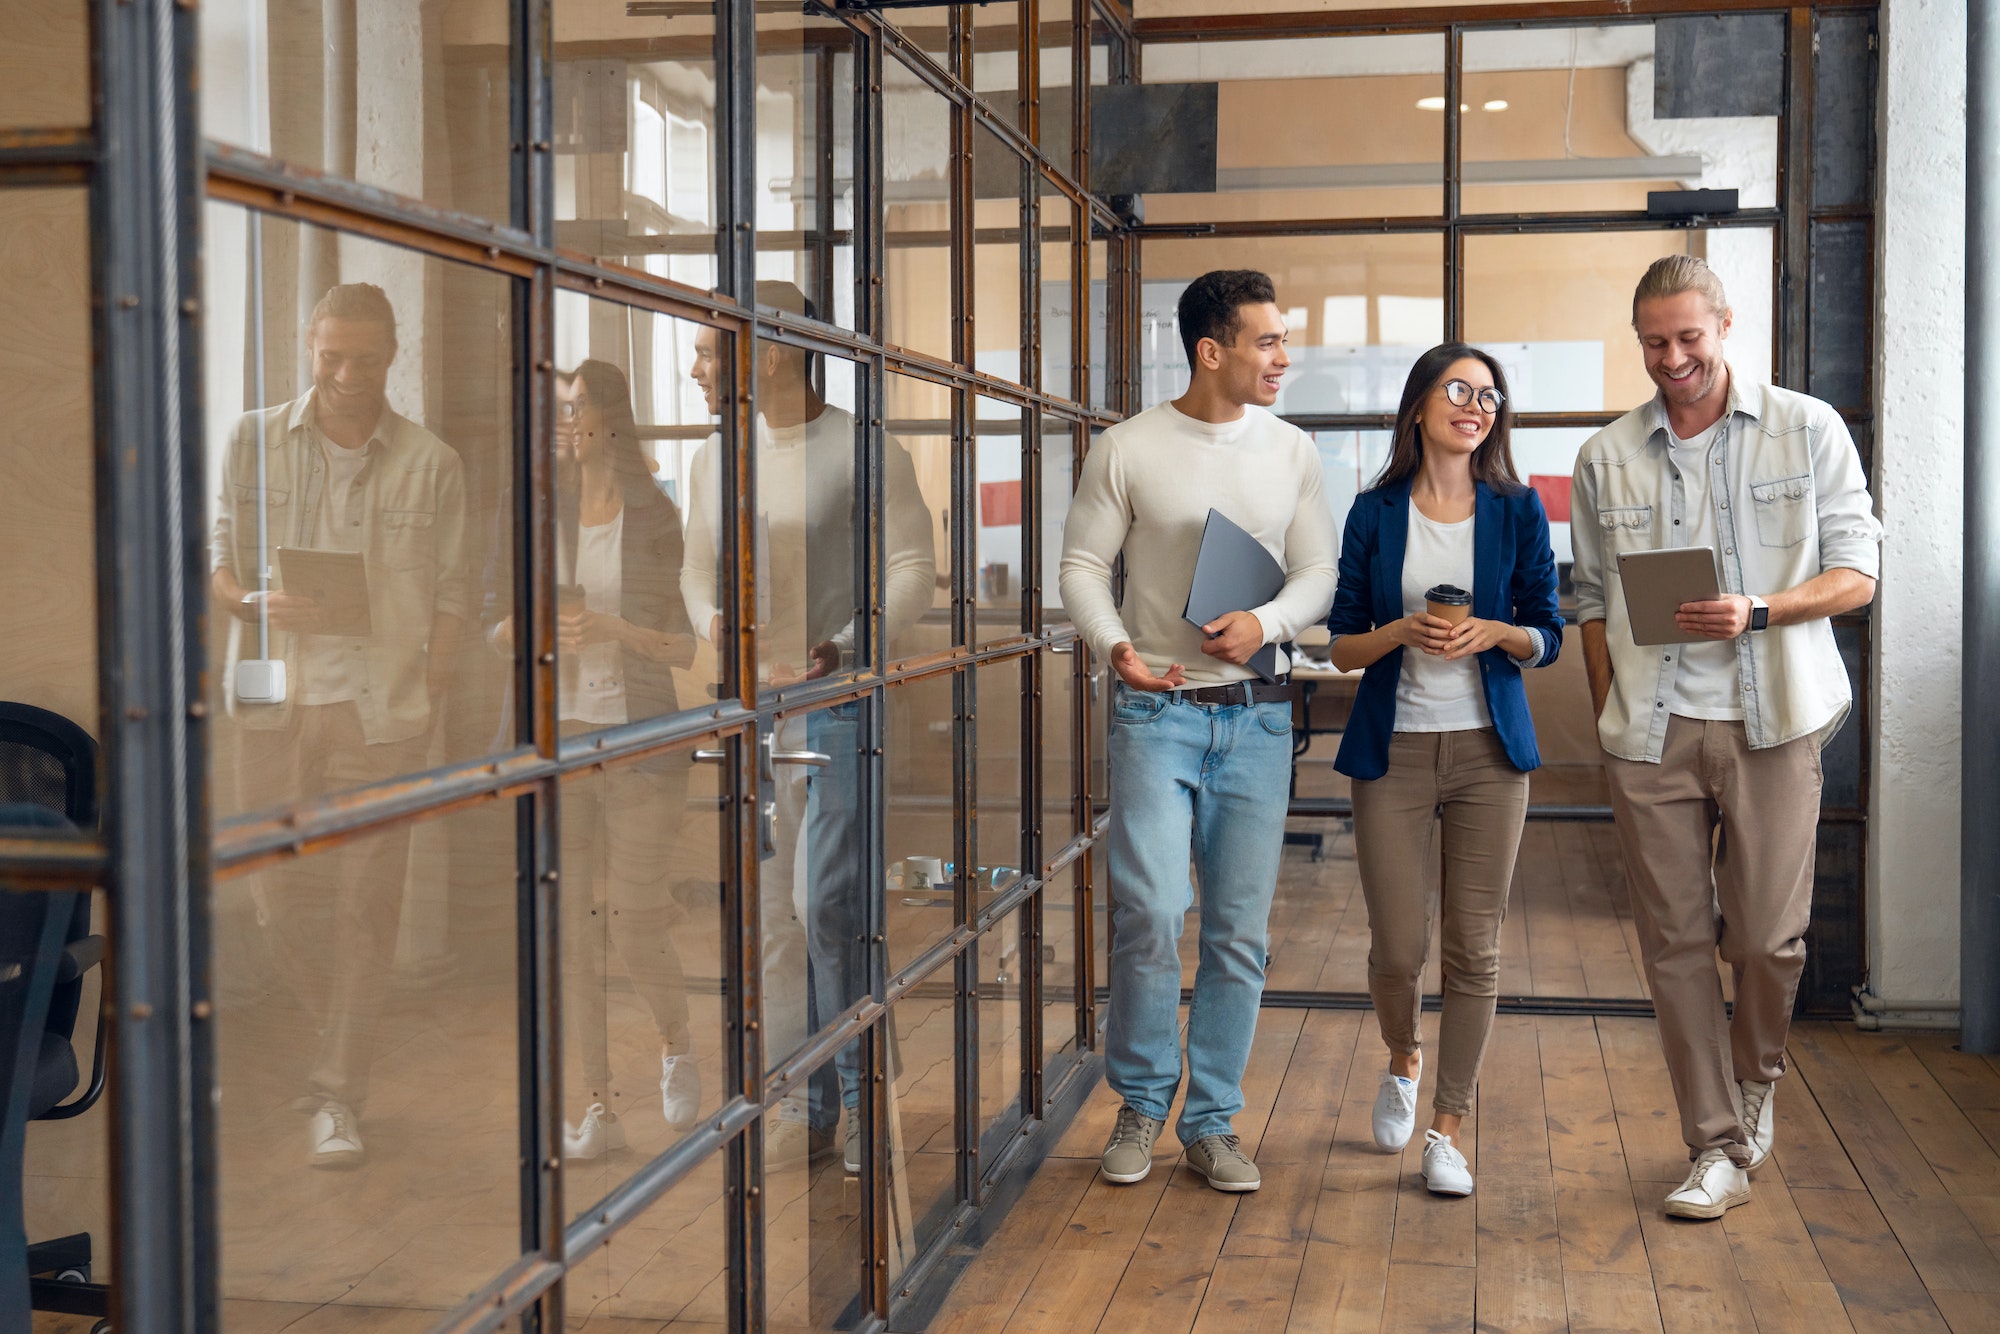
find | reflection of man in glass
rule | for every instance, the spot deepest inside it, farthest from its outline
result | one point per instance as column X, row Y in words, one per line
column 814, row 908
column 621, row 630
column 342, row 472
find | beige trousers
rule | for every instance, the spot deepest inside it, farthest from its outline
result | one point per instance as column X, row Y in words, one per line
column 621, row 830
column 336, row 914
column 1719, row 842
column 1464, row 781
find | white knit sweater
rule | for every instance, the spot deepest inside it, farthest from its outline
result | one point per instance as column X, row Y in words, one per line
column 1146, row 489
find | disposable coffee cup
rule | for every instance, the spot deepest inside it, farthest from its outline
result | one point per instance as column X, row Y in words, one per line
column 1448, row 602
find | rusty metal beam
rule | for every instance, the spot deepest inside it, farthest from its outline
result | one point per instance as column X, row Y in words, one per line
column 1241, row 26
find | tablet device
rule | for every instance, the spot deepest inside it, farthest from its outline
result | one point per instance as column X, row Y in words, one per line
column 337, row 580
column 1658, row 582
column 1233, row 572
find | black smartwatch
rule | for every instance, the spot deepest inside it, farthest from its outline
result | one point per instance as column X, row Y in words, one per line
column 1760, row 614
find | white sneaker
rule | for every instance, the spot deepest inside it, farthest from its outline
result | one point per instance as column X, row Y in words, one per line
column 600, row 1133
column 336, row 1136
column 1760, row 1126
column 680, row 1090
column 850, row 1149
column 1396, row 1109
column 793, row 1141
column 1444, row 1166
column 1713, row 1186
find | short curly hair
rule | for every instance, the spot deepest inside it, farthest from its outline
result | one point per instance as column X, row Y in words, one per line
column 1209, row 307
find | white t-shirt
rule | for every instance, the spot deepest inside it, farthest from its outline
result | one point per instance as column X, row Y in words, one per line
column 334, row 666
column 590, row 685
column 1705, row 682
column 805, row 538
column 1433, row 695
column 1146, row 489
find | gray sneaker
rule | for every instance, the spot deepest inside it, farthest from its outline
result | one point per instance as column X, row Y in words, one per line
column 850, row 1150
column 1220, row 1158
column 1128, row 1154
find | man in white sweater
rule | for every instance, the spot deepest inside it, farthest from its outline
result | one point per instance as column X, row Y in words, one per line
column 814, row 900
column 1200, row 749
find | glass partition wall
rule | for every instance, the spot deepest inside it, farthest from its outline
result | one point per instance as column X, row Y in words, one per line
column 1504, row 181
column 539, row 524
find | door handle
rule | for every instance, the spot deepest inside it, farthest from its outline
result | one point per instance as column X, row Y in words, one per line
column 812, row 758
column 710, row 756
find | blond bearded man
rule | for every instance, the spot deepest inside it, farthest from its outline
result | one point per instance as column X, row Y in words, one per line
column 1712, row 747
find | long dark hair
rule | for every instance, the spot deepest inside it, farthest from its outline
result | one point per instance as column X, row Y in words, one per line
column 606, row 389
column 1492, row 462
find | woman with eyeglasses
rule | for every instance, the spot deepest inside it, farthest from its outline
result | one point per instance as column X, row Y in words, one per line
column 1447, row 591
column 621, row 629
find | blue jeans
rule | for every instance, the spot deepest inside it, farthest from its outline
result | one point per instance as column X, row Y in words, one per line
column 1208, row 782
column 836, row 907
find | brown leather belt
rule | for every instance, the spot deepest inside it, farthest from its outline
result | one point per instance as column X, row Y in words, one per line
column 1242, row 692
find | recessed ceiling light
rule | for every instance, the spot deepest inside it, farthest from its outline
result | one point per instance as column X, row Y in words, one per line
column 1430, row 104
column 1497, row 104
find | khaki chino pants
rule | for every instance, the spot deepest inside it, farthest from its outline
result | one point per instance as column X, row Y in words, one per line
column 1719, row 843
column 336, row 915
column 1464, row 782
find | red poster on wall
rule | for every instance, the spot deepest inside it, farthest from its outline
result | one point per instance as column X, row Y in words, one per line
column 1554, row 492
column 1000, row 504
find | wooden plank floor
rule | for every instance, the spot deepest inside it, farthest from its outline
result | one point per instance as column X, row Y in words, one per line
column 1880, row 1209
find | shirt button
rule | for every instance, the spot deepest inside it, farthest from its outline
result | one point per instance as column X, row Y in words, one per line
column 1677, row 523
column 1729, row 551
column 1659, row 704
column 1725, row 504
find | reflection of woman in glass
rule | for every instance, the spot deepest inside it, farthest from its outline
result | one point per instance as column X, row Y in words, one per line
column 1447, row 591
column 621, row 630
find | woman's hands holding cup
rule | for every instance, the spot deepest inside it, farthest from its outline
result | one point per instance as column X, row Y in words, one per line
column 1473, row 635
column 1423, row 631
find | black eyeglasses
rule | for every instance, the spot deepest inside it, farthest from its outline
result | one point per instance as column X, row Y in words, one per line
column 1461, row 395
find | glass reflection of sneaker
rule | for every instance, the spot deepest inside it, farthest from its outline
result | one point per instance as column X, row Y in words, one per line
column 600, row 1133
column 336, row 1136
column 850, row 1149
column 794, row 1141
column 680, row 1090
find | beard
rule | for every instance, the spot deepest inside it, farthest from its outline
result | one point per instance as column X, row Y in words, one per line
column 1693, row 389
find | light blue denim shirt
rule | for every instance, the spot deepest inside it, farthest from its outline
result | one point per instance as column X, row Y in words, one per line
column 1791, row 502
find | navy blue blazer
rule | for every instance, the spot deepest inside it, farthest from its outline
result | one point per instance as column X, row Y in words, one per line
column 1513, row 580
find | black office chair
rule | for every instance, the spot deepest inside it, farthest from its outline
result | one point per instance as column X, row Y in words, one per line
column 48, row 780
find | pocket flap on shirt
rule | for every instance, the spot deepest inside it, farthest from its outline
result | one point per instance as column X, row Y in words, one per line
column 1781, row 489
column 1625, row 516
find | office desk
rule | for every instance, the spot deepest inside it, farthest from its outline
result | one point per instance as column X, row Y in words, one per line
column 1340, row 688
